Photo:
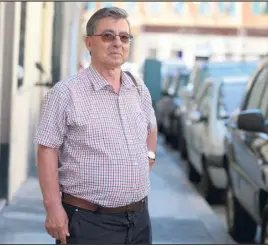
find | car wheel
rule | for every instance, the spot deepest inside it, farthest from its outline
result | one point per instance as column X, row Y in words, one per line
column 264, row 226
column 183, row 148
column 209, row 191
column 160, row 127
column 174, row 129
column 240, row 225
column 193, row 175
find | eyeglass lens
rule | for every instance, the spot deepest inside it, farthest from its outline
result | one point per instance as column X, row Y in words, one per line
column 109, row 37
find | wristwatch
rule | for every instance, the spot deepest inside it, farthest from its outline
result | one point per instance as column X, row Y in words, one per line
column 151, row 155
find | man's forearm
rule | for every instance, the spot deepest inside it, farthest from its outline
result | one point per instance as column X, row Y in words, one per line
column 152, row 140
column 48, row 176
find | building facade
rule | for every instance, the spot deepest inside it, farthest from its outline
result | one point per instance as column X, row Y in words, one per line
column 161, row 29
column 39, row 45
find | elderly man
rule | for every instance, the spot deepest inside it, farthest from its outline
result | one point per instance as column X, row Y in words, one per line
column 100, row 125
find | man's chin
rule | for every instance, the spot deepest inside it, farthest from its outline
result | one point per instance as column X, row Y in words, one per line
column 116, row 63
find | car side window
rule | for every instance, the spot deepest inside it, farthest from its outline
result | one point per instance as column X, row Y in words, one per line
column 264, row 100
column 257, row 90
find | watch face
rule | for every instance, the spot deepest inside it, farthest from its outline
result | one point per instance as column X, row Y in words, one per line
column 151, row 155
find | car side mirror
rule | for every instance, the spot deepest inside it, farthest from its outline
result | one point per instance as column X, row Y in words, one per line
column 164, row 93
column 251, row 120
column 197, row 117
column 223, row 115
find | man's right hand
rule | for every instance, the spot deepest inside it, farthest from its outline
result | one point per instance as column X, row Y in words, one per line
column 57, row 223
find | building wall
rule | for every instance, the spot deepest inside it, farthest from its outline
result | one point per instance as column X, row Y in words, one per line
column 9, row 80
column 3, row 145
column 71, row 20
column 165, row 44
column 253, row 18
column 185, row 25
column 20, row 109
column 25, row 100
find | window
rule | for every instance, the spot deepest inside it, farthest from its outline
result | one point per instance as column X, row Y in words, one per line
column 153, row 7
column 227, row 102
column 178, row 7
column 256, row 92
column 259, row 8
column 131, row 6
column 90, row 6
column 227, row 8
column 204, row 8
column 107, row 4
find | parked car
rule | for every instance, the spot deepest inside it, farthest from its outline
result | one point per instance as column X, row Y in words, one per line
column 173, row 82
column 205, row 131
column 201, row 71
column 171, row 98
column 246, row 161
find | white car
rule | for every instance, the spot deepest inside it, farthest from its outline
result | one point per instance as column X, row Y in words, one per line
column 205, row 131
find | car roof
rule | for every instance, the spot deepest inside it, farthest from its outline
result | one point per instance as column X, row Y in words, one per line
column 235, row 79
column 228, row 64
column 227, row 80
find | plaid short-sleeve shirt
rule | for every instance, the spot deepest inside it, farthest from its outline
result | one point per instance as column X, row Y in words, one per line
column 100, row 136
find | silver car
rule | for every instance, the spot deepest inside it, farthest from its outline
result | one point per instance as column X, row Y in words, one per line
column 205, row 131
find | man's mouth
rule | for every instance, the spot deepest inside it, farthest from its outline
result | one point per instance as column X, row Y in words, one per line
column 114, row 53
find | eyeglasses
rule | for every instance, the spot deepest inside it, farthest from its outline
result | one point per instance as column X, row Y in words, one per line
column 110, row 37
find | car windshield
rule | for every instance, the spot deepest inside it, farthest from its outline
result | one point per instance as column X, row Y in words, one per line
column 183, row 81
column 230, row 97
column 225, row 69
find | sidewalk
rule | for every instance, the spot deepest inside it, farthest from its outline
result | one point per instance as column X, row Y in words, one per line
column 179, row 214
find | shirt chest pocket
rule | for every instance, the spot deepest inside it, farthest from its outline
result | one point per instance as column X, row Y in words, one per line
column 95, row 126
column 139, row 124
column 103, row 126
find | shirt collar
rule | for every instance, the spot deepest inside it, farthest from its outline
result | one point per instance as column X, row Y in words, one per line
column 99, row 82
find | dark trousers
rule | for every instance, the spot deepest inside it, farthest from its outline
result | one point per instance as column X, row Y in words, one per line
column 87, row 227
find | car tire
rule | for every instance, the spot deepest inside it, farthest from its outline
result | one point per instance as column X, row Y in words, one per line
column 183, row 148
column 193, row 175
column 175, row 137
column 240, row 224
column 264, row 226
column 160, row 128
column 209, row 191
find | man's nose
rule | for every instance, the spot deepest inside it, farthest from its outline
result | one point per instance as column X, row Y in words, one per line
column 117, row 41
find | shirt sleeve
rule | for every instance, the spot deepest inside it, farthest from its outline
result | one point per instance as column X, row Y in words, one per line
column 53, row 120
column 148, row 108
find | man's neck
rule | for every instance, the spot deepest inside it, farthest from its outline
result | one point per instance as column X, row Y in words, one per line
column 112, row 76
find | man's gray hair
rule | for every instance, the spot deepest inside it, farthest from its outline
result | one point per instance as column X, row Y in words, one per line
column 114, row 12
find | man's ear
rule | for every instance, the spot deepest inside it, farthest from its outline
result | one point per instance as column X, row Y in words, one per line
column 88, row 42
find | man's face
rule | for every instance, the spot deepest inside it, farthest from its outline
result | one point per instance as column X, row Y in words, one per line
column 104, row 50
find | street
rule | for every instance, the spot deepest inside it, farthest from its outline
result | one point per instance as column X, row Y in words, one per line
column 179, row 214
